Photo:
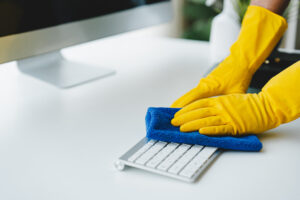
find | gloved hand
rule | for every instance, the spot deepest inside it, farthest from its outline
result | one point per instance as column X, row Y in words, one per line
column 239, row 114
column 260, row 32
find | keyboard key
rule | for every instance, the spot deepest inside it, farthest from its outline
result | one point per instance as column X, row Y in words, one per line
column 141, row 150
column 208, row 151
column 191, row 153
column 198, row 161
column 173, row 157
column 185, row 159
column 150, row 152
column 156, row 160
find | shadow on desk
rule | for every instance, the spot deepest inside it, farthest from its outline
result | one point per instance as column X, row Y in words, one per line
column 286, row 131
column 271, row 135
column 283, row 135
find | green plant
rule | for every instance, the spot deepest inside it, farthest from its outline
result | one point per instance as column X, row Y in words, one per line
column 198, row 19
column 241, row 7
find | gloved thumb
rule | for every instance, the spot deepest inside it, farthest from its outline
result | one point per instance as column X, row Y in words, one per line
column 201, row 91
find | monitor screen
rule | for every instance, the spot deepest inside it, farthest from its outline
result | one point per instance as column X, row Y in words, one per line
column 19, row 16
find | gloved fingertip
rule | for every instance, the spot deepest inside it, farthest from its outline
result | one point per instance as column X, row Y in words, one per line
column 178, row 113
column 183, row 129
column 207, row 132
column 175, row 122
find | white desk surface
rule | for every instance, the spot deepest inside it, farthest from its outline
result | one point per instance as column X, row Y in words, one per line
column 61, row 144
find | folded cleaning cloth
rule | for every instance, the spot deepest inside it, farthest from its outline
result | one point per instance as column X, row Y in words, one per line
column 159, row 127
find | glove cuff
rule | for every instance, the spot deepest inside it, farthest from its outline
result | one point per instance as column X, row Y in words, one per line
column 260, row 32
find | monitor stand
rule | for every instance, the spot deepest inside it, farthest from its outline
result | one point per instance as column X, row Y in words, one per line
column 54, row 69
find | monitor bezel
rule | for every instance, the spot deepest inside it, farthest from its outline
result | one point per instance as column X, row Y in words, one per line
column 32, row 43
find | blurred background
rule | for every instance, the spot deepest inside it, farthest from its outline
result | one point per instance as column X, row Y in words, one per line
column 197, row 15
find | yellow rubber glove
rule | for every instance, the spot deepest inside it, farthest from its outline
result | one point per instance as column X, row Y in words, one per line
column 260, row 32
column 238, row 114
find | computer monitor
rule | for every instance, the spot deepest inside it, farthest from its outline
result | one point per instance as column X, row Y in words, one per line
column 33, row 32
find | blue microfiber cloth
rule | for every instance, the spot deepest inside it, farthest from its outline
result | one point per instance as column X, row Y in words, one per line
column 159, row 127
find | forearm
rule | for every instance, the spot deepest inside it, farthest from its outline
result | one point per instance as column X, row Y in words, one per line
column 276, row 6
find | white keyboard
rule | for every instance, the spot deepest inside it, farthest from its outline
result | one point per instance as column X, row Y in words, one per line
column 181, row 161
